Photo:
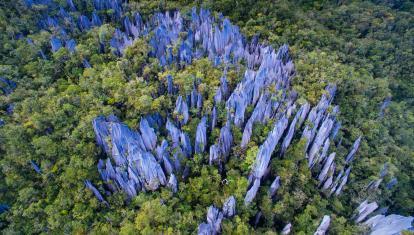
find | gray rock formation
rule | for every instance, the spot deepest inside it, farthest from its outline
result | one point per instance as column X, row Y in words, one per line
column 173, row 183
column 294, row 125
column 365, row 209
column 181, row 109
column 214, row 154
column 324, row 226
column 201, row 136
column 354, row 149
column 148, row 135
column 267, row 148
column 229, row 207
column 326, row 167
column 343, row 181
column 286, row 230
column 214, row 218
column 390, row 224
column 274, row 186
column 251, row 194
column 95, row 191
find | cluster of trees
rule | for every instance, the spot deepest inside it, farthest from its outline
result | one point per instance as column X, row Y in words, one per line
column 365, row 47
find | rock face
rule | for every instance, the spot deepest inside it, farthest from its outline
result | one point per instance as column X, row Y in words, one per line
column 173, row 183
column 251, row 193
column 214, row 154
column 354, row 149
column 213, row 225
column 286, row 230
column 294, row 125
column 95, row 191
column 135, row 168
column 344, row 179
column 181, row 109
column 391, row 224
column 384, row 105
column 35, row 167
column 229, row 207
column 55, row 43
column 392, row 183
column 267, row 148
column 174, row 133
column 365, row 209
column 205, row 229
column 201, row 136
column 7, row 86
column 225, row 140
column 324, row 226
column 148, row 135
column 326, row 167
column 215, row 217
column 274, row 186
column 4, row 208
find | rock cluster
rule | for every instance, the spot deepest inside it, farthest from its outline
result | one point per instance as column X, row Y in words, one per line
column 215, row 217
column 142, row 159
